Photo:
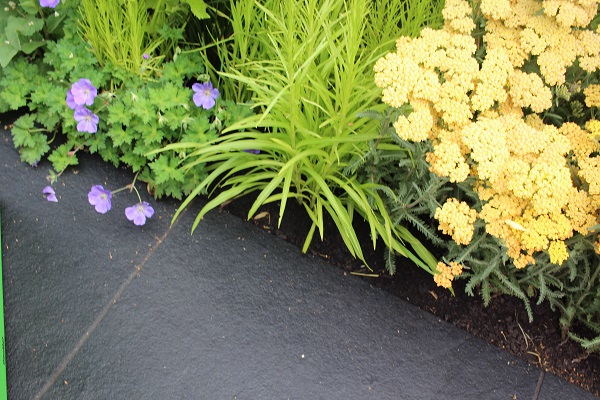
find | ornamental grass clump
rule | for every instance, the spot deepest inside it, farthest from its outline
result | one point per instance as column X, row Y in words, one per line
column 308, row 73
column 496, row 97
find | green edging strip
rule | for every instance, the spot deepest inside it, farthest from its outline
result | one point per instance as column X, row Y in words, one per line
column 3, row 387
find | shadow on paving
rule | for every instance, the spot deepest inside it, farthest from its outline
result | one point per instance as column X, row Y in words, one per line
column 98, row 308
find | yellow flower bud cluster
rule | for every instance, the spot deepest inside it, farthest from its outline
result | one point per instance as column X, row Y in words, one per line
column 539, row 184
column 446, row 273
column 456, row 219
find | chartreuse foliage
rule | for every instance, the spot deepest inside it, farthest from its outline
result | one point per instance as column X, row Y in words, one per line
column 307, row 67
column 143, row 104
column 117, row 37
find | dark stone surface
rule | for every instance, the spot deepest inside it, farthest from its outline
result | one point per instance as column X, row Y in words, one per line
column 97, row 308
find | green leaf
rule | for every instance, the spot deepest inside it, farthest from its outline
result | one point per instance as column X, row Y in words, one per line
column 7, row 52
column 20, row 79
column 30, row 47
column 21, row 131
column 110, row 154
column 152, row 133
column 62, row 157
column 118, row 115
column 167, row 168
column 97, row 142
column 49, row 95
column 169, row 188
column 143, row 109
column 135, row 161
column 175, row 116
column 198, row 8
column 197, row 131
column 119, row 136
column 33, row 154
column 24, row 26
column 193, row 178
column 187, row 65
column 168, row 96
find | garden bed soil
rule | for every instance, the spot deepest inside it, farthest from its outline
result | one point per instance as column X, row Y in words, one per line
column 504, row 323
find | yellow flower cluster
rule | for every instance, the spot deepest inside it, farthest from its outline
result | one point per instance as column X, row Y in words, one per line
column 539, row 184
column 592, row 95
column 446, row 273
column 593, row 127
column 456, row 219
column 548, row 29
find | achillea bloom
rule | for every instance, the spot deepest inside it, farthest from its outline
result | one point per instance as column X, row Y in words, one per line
column 447, row 160
column 83, row 93
column 86, row 120
column 592, row 95
column 100, row 199
column 528, row 90
column 457, row 16
column 558, row 252
column 496, row 9
column 492, row 79
column 593, row 127
column 139, row 212
column 49, row 193
column 457, row 219
column 446, row 273
column 417, row 126
column 205, row 95
column 49, row 3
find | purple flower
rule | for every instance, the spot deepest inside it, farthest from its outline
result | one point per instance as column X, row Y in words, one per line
column 252, row 151
column 83, row 93
column 86, row 120
column 139, row 212
column 145, row 56
column 49, row 3
column 205, row 95
column 71, row 101
column 100, row 199
column 49, row 193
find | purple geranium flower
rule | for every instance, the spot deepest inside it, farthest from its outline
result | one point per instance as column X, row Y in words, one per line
column 100, row 199
column 83, row 93
column 86, row 120
column 205, row 95
column 49, row 193
column 49, row 3
column 139, row 212
column 145, row 56
column 71, row 101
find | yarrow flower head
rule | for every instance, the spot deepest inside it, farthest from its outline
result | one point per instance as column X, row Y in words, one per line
column 100, row 198
column 86, row 120
column 50, row 194
column 139, row 212
column 49, row 3
column 205, row 95
column 82, row 92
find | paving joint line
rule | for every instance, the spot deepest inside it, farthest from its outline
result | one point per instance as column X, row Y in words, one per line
column 69, row 357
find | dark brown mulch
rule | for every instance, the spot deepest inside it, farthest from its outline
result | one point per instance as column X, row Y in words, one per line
column 504, row 323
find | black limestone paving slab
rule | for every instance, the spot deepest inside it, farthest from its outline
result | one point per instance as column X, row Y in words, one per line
column 97, row 308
